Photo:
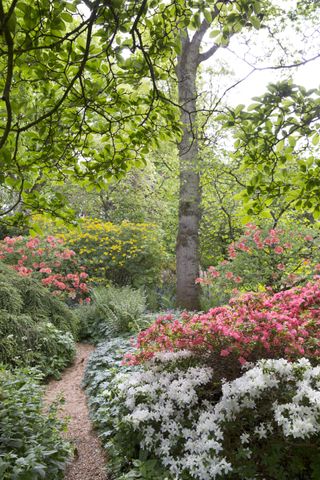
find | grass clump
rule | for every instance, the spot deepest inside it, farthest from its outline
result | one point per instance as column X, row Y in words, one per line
column 114, row 311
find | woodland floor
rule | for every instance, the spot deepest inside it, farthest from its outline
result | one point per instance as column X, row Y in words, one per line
column 89, row 461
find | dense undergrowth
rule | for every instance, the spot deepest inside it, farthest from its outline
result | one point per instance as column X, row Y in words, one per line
column 113, row 311
column 101, row 370
column 230, row 393
column 36, row 329
column 37, row 341
column 31, row 446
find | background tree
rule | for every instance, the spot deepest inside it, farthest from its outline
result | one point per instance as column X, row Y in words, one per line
column 85, row 96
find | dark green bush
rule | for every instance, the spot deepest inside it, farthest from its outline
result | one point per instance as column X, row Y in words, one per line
column 10, row 298
column 31, row 447
column 40, row 303
column 25, row 342
column 113, row 311
column 36, row 329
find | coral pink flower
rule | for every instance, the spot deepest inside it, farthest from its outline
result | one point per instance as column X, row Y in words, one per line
column 45, row 270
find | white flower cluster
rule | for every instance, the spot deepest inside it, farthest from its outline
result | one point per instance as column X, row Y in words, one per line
column 166, row 408
column 165, row 357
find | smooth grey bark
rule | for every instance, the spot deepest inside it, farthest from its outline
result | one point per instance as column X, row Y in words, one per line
column 187, row 246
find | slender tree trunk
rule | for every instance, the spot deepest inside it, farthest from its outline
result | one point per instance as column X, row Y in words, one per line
column 187, row 247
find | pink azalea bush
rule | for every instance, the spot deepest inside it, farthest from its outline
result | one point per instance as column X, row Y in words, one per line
column 260, row 259
column 253, row 326
column 46, row 260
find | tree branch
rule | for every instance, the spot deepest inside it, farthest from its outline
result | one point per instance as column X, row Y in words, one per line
column 74, row 79
column 205, row 55
column 10, row 11
column 8, row 82
column 139, row 15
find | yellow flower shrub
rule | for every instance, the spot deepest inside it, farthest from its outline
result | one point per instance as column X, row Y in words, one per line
column 128, row 253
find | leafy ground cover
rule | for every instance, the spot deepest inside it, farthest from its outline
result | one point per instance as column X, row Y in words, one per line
column 102, row 368
column 31, row 446
column 36, row 330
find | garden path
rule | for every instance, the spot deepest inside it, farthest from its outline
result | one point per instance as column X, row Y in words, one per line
column 89, row 461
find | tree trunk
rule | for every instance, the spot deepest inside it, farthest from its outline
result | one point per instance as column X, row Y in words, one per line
column 187, row 247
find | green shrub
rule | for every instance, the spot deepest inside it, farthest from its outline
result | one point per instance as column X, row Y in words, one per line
column 36, row 329
column 262, row 259
column 10, row 298
column 26, row 342
column 24, row 294
column 113, row 311
column 46, row 260
column 31, row 446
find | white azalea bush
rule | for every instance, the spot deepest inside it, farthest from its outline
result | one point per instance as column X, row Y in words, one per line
column 171, row 421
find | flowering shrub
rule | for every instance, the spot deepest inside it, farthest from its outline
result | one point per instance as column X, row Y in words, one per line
column 125, row 254
column 251, row 327
column 274, row 258
column 46, row 260
column 266, row 423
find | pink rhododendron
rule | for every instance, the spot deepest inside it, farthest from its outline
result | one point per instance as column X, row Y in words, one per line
column 251, row 327
column 229, row 275
column 45, row 270
column 33, row 243
column 64, row 277
column 262, row 258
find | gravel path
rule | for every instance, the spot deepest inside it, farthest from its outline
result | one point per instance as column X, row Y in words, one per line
column 89, row 461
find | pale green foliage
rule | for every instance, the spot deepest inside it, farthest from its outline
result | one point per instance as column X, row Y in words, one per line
column 65, row 84
column 70, row 90
column 101, row 369
column 277, row 139
column 113, row 311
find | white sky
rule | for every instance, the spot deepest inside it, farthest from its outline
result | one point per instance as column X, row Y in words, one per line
column 260, row 50
column 307, row 75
